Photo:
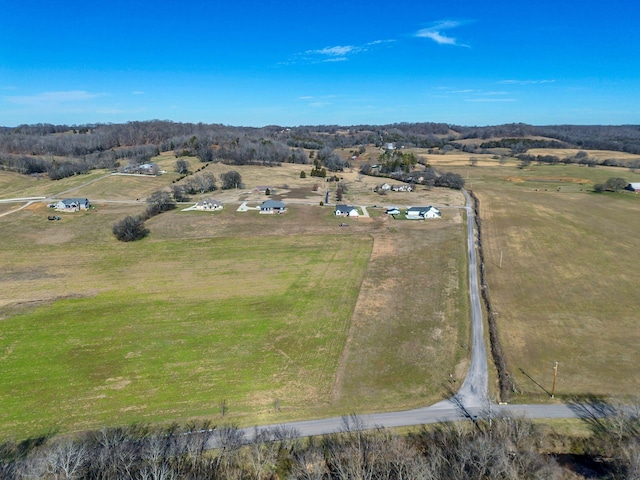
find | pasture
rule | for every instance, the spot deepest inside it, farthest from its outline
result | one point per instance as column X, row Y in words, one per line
column 274, row 317
column 566, row 290
column 559, row 264
column 161, row 330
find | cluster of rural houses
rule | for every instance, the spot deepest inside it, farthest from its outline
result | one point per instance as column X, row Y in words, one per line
column 416, row 213
column 267, row 207
column 208, row 204
column 411, row 213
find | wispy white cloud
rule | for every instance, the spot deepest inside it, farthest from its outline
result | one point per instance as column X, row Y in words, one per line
column 473, row 94
column 319, row 104
column 525, row 82
column 52, row 98
column 337, row 53
column 435, row 33
column 137, row 92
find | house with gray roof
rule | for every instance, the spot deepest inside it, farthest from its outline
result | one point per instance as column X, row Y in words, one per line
column 346, row 211
column 72, row 204
column 272, row 206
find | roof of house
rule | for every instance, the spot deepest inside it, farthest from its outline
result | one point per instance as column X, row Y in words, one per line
column 417, row 209
column 422, row 209
column 635, row 186
column 344, row 208
column 78, row 201
column 272, row 204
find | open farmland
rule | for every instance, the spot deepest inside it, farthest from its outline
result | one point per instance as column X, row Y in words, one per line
column 565, row 291
column 559, row 263
column 234, row 308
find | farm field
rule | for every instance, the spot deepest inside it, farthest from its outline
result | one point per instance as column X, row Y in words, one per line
column 558, row 263
column 276, row 318
column 271, row 316
column 565, row 291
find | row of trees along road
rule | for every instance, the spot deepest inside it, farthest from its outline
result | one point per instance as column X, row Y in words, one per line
column 489, row 447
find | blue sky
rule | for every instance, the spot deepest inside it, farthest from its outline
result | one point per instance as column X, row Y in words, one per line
column 289, row 63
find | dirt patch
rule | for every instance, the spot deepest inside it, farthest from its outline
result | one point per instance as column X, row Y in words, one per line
column 10, row 309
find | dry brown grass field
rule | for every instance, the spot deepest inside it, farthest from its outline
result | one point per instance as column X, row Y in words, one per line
column 566, row 289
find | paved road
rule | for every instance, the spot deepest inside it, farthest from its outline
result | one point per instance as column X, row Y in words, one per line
column 445, row 411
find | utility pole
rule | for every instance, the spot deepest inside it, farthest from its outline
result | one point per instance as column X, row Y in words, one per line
column 500, row 258
column 555, row 374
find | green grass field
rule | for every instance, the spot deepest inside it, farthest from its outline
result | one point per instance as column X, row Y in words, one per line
column 230, row 306
column 167, row 329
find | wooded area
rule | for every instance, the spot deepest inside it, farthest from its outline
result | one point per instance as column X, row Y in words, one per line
column 63, row 150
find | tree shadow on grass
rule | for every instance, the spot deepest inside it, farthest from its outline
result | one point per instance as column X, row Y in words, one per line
column 535, row 382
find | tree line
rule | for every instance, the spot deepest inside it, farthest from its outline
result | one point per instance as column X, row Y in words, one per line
column 490, row 446
column 62, row 150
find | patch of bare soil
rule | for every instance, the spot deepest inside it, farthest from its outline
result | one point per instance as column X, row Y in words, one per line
column 11, row 309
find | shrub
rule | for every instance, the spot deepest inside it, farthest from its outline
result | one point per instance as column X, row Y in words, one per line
column 130, row 229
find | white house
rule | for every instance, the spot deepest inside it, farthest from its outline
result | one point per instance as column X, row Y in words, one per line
column 634, row 187
column 422, row 213
column 402, row 188
column 433, row 212
column 208, row 204
column 346, row 211
column 272, row 206
column 72, row 204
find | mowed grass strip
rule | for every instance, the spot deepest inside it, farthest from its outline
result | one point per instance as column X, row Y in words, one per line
column 411, row 321
column 167, row 329
column 561, row 273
